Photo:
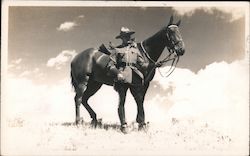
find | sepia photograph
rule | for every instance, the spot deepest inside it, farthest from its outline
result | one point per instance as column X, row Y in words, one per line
column 124, row 78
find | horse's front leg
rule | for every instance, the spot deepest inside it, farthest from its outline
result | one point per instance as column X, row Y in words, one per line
column 140, row 118
column 122, row 91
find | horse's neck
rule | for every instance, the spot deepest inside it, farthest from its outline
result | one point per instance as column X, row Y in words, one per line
column 155, row 45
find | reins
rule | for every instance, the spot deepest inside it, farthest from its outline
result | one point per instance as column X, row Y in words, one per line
column 168, row 58
column 143, row 49
column 172, row 65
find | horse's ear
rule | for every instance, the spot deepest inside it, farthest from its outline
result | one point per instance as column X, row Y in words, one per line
column 178, row 23
column 171, row 20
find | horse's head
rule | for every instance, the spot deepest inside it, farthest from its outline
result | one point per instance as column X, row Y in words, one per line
column 174, row 38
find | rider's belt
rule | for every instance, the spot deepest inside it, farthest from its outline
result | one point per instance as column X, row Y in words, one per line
column 123, row 64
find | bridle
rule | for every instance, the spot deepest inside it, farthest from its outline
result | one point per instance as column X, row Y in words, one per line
column 174, row 59
column 173, row 44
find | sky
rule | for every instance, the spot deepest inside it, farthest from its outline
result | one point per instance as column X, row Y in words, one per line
column 43, row 40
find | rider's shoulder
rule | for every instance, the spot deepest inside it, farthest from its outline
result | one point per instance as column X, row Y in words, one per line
column 120, row 46
column 120, row 49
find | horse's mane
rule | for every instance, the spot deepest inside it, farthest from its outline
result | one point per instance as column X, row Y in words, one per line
column 155, row 44
column 154, row 37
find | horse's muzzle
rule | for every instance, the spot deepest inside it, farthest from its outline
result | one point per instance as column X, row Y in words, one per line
column 180, row 48
column 180, row 52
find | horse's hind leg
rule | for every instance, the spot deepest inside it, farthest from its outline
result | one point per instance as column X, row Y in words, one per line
column 92, row 88
column 78, row 102
column 80, row 89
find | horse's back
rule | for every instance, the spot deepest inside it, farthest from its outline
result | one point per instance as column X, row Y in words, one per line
column 93, row 63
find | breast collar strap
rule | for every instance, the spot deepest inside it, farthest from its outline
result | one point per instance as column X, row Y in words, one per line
column 145, row 52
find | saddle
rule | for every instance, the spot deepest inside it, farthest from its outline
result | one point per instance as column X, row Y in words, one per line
column 104, row 49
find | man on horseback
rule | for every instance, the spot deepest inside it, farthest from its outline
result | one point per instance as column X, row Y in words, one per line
column 127, row 59
column 126, row 63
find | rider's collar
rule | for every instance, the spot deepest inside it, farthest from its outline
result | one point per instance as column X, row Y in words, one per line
column 132, row 44
column 129, row 45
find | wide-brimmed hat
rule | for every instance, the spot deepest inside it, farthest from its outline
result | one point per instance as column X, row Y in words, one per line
column 124, row 31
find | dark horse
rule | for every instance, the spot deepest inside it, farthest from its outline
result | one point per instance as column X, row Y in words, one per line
column 89, row 71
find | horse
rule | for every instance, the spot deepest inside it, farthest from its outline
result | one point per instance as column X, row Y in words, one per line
column 89, row 71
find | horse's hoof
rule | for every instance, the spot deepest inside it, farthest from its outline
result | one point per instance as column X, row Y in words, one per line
column 143, row 127
column 96, row 123
column 76, row 122
column 79, row 121
column 99, row 123
column 124, row 129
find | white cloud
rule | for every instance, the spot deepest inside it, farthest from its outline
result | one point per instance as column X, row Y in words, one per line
column 36, row 70
column 18, row 61
column 215, row 87
column 81, row 16
column 66, row 26
column 28, row 100
column 143, row 8
column 35, row 73
column 61, row 59
column 21, row 71
column 219, row 86
column 69, row 25
column 188, row 11
column 11, row 66
column 218, row 94
column 25, row 73
column 15, row 63
column 56, row 102
column 236, row 12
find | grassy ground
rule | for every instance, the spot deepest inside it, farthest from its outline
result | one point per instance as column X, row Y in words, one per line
column 174, row 137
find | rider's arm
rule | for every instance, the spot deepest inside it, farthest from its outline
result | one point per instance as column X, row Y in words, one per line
column 142, row 63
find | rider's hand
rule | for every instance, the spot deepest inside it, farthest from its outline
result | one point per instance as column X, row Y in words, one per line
column 120, row 77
